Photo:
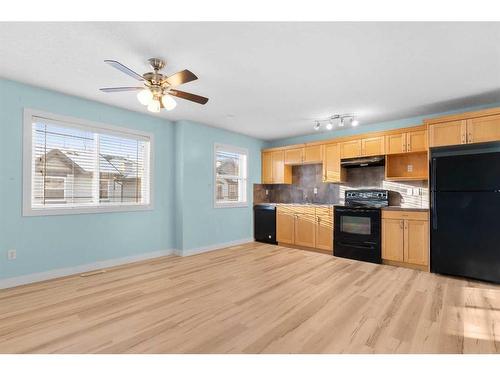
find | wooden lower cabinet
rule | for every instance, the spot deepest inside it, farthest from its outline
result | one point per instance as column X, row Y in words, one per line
column 305, row 228
column 405, row 237
column 393, row 239
column 305, row 225
column 324, row 228
column 285, row 224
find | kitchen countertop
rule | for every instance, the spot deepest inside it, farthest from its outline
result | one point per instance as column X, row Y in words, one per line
column 398, row 208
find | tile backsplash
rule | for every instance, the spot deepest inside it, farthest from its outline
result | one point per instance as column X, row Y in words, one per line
column 307, row 178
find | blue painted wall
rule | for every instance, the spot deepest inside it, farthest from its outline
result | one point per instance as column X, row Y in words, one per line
column 203, row 225
column 50, row 242
column 387, row 125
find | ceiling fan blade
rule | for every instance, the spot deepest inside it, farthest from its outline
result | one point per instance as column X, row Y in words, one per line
column 188, row 96
column 179, row 78
column 119, row 89
column 124, row 69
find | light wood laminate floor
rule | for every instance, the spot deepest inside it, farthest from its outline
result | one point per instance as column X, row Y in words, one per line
column 252, row 298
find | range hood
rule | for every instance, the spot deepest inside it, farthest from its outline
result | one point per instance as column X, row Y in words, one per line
column 370, row 161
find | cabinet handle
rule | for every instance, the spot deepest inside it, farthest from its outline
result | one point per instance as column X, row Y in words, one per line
column 408, row 147
column 319, row 219
column 404, row 147
column 401, row 224
column 469, row 137
column 463, row 138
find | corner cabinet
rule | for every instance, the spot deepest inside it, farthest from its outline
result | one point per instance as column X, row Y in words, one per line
column 405, row 238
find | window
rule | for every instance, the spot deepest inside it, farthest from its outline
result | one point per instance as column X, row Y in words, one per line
column 230, row 176
column 74, row 166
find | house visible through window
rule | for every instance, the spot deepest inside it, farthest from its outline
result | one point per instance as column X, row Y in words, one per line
column 74, row 167
column 230, row 176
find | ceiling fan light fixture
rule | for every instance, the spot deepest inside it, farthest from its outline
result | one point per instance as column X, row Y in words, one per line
column 168, row 102
column 154, row 106
column 145, row 97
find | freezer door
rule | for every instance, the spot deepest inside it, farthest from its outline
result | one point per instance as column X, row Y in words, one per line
column 478, row 172
column 465, row 235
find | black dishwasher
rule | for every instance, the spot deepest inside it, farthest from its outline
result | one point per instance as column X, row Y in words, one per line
column 264, row 223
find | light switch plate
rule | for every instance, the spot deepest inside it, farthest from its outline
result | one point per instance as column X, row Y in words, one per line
column 416, row 192
column 410, row 167
column 315, row 190
column 267, row 192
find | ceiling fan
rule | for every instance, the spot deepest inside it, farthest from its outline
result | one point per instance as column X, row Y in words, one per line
column 157, row 89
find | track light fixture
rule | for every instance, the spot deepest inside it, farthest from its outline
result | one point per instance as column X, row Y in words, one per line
column 340, row 119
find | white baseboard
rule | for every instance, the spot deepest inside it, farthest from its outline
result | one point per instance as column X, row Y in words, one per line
column 218, row 246
column 61, row 272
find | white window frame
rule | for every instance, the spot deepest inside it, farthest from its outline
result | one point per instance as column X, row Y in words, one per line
column 238, row 150
column 28, row 210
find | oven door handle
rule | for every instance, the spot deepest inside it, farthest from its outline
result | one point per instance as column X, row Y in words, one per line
column 356, row 246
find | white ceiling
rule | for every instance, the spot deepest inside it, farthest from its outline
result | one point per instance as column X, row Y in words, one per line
column 268, row 80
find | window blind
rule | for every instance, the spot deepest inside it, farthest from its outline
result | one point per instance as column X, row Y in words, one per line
column 74, row 166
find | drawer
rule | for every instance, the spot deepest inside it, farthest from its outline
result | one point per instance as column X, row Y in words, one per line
column 324, row 211
column 405, row 215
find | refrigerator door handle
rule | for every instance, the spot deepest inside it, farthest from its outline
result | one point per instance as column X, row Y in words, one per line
column 433, row 174
column 434, row 210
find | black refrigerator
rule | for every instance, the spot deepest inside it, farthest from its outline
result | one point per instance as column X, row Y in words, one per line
column 465, row 215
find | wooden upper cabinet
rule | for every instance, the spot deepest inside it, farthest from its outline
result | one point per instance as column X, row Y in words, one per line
column 294, row 155
column 416, row 249
column 448, row 133
column 350, row 149
column 285, row 224
column 393, row 239
column 267, row 168
column 281, row 173
column 373, row 146
column 305, row 226
column 332, row 172
column 324, row 228
column 313, row 154
column 395, row 143
column 483, row 129
column 416, row 141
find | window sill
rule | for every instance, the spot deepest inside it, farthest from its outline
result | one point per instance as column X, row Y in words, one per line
column 28, row 211
column 231, row 205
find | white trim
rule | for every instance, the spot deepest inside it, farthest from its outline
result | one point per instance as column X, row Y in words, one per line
column 68, row 271
column 28, row 210
column 239, row 150
column 218, row 246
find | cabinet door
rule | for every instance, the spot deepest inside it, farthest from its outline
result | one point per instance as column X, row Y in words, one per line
column 278, row 171
column 324, row 228
column 393, row 239
column 448, row 133
column 373, row 146
column 332, row 172
column 313, row 154
column 285, row 224
column 350, row 149
column 395, row 143
column 416, row 141
column 483, row 129
column 305, row 227
column 416, row 250
column 267, row 168
column 294, row 156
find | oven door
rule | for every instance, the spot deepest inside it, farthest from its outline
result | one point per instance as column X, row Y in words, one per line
column 357, row 234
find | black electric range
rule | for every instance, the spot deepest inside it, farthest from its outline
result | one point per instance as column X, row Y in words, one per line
column 358, row 225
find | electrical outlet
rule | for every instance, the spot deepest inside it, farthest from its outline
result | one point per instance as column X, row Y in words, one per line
column 315, row 190
column 267, row 192
column 11, row 254
column 416, row 192
column 410, row 167
column 409, row 191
